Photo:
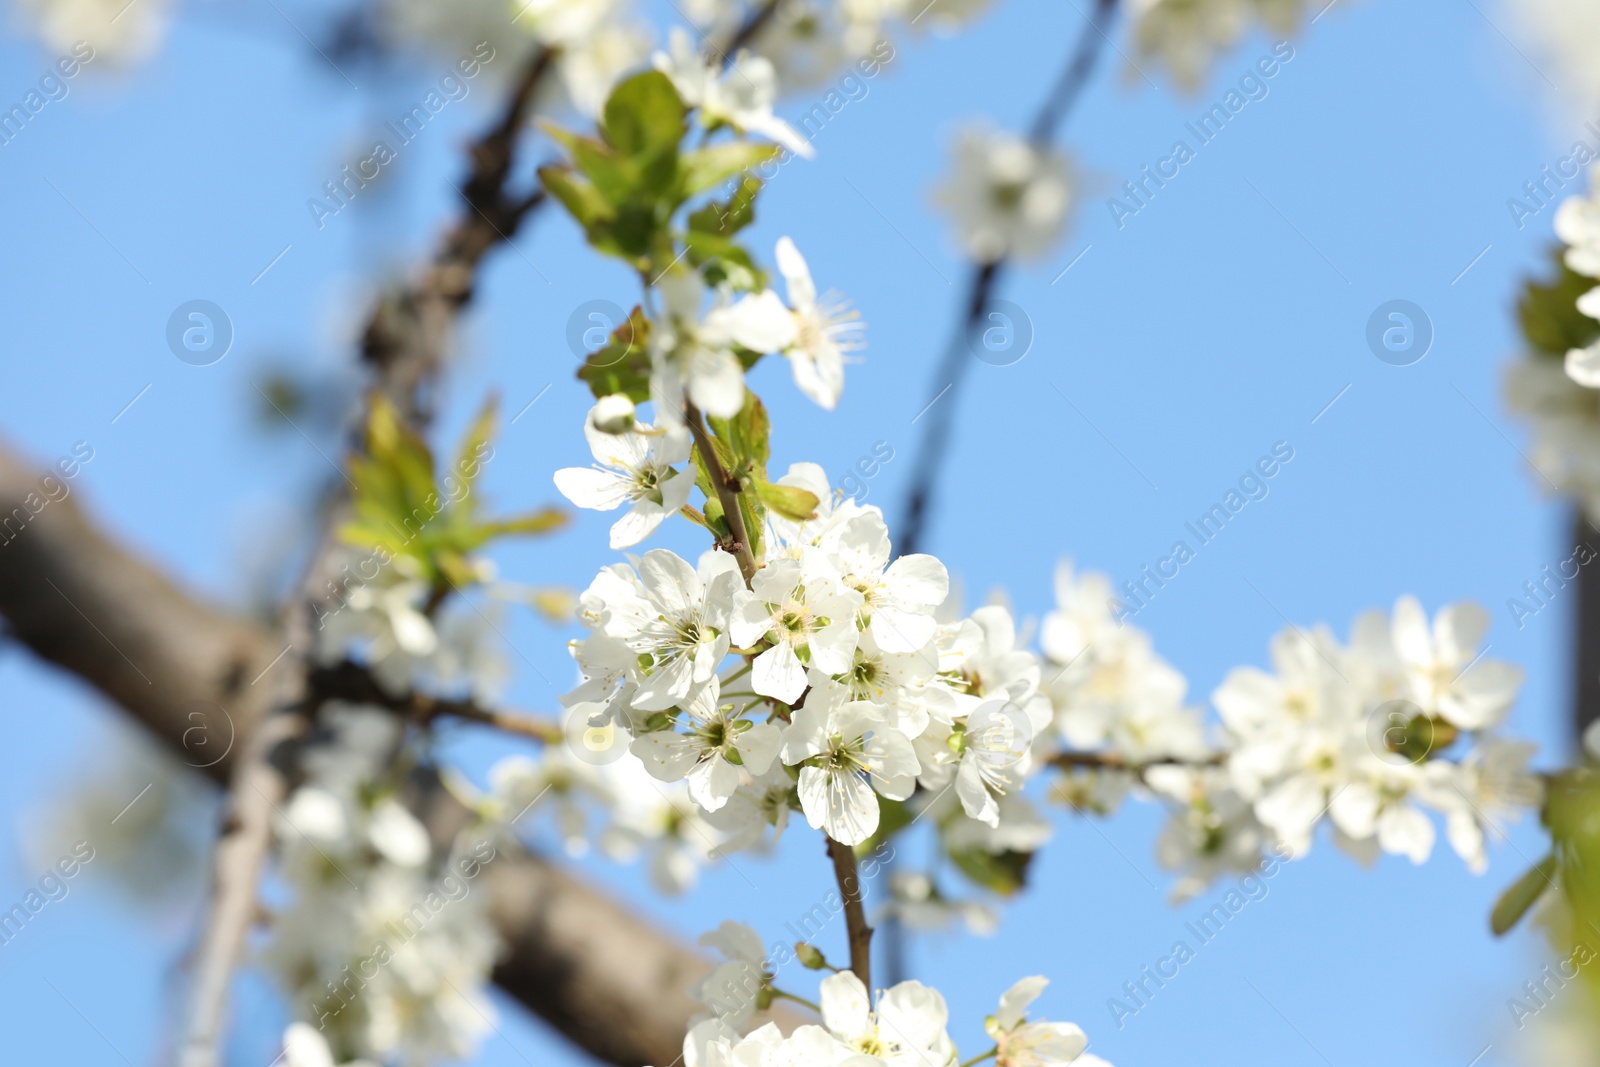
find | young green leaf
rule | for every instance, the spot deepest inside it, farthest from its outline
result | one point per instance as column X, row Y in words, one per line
column 644, row 115
column 710, row 167
column 1523, row 894
column 790, row 501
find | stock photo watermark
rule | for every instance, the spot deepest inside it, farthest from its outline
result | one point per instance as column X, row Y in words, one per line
column 343, row 188
column 52, row 888
column 199, row 332
column 450, row 888
column 52, row 489
column 1252, row 86
column 1153, row 977
column 853, row 483
column 1541, row 591
column 1399, row 332
column 52, row 88
column 1253, row 485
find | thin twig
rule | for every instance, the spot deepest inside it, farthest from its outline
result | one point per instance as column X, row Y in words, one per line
column 855, row 915
column 1110, row 761
column 408, row 334
column 727, row 492
column 350, row 682
column 752, row 25
column 1049, row 119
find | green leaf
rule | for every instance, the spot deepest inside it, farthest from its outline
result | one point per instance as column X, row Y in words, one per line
column 623, row 365
column 1550, row 317
column 738, row 212
column 746, row 435
column 1523, row 894
column 644, row 115
column 469, row 454
column 720, row 257
column 1004, row 872
column 712, row 166
column 789, row 501
column 583, row 202
column 535, row 522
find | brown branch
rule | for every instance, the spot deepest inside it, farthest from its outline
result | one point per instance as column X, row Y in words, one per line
column 408, row 334
column 727, row 492
column 855, row 914
column 747, row 31
column 587, row 964
column 1586, row 636
column 353, row 683
column 1110, row 761
column 937, row 433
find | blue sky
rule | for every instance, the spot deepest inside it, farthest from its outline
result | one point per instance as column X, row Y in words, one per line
column 1220, row 319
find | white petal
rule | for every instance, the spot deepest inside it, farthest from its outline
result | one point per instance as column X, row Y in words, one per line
column 844, row 1004
column 976, row 800
column 667, row 755
column 636, row 525
column 736, row 941
column 778, row 673
column 589, row 488
column 842, row 805
column 918, row 579
column 716, row 384
column 712, row 782
column 1406, row 831
column 1014, row 1001
column 792, row 265
column 758, row 747
column 760, row 323
column 397, row 834
column 1459, row 630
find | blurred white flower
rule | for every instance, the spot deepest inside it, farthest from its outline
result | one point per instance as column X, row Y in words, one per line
column 1006, row 198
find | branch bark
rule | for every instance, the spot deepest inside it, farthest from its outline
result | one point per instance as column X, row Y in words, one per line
column 855, row 914
column 591, row 968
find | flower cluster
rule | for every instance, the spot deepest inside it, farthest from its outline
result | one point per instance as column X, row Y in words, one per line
column 384, row 946
column 905, row 1025
column 813, row 43
column 1186, row 36
column 1578, row 225
column 1361, row 732
column 1564, row 422
column 856, row 691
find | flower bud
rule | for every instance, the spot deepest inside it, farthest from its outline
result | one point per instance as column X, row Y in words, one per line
column 810, row 956
column 613, row 414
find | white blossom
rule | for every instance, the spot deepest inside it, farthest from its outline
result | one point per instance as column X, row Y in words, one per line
column 848, row 754
column 742, row 96
column 798, row 606
column 718, row 742
column 694, row 356
column 1006, row 197
column 824, row 331
column 635, row 467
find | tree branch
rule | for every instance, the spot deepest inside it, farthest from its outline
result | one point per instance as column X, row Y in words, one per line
column 353, row 683
column 855, row 914
column 727, row 492
column 1586, row 635
column 585, row 963
column 936, row 434
column 409, row 332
